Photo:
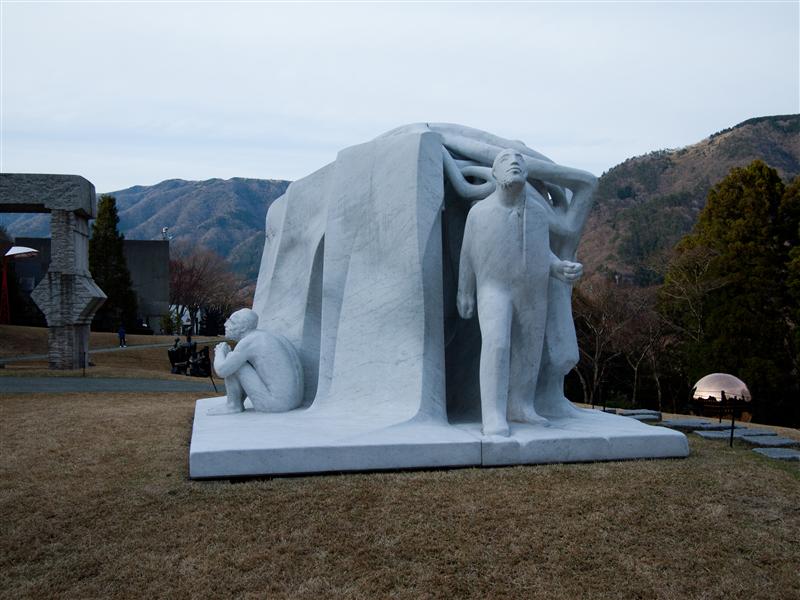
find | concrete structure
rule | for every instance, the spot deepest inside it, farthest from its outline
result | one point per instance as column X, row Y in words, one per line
column 67, row 295
column 148, row 263
column 360, row 274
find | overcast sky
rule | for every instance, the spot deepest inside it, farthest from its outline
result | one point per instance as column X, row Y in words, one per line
column 134, row 93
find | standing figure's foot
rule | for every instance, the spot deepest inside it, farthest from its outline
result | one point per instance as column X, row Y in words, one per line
column 559, row 408
column 527, row 414
column 226, row 409
column 501, row 430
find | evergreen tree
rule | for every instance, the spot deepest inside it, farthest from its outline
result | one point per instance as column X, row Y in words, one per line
column 727, row 289
column 109, row 269
column 789, row 216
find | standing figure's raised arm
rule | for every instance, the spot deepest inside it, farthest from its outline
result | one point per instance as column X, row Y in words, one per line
column 567, row 219
column 464, row 188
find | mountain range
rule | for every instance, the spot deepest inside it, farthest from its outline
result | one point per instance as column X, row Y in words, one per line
column 223, row 215
column 644, row 205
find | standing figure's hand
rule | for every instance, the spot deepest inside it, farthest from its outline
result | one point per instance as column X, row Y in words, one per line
column 567, row 271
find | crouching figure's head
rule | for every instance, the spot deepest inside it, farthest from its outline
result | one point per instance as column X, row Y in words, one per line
column 240, row 323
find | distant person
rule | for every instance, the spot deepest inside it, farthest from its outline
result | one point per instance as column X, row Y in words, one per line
column 190, row 346
column 121, row 334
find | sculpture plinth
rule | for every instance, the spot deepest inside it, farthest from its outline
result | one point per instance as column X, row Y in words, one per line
column 360, row 274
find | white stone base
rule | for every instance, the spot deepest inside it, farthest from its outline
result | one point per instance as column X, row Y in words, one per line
column 251, row 443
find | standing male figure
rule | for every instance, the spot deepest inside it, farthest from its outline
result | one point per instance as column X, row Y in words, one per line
column 506, row 261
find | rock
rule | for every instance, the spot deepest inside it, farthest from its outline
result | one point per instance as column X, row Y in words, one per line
column 639, row 411
column 695, row 424
column 779, row 453
column 645, row 418
column 772, row 441
column 737, row 433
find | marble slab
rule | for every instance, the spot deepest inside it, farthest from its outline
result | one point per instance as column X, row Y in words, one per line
column 737, row 433
column 772, row 441
column 307, row 441
column 701, row 424
column 779, row 453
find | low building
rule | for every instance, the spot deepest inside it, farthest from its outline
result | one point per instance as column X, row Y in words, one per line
column 148, row 263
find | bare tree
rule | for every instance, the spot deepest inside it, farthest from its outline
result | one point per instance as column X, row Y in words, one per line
column 640, row 333
column 600, row 316
column 686, row 288
column 199, row 280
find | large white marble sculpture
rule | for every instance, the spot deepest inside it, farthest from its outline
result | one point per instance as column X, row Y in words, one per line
column 360, row 274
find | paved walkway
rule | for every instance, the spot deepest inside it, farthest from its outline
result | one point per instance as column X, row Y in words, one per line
column 56, row 385
column 26, row 357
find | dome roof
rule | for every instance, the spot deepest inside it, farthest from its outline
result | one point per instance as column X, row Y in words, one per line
column 716, row 383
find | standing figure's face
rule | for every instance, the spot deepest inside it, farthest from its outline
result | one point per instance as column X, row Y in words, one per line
column 509, row 168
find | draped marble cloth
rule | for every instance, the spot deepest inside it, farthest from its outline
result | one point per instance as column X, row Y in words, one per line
column 351, row 274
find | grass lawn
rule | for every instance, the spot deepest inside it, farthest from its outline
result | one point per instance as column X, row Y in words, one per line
column 16, row 340
column 96, row 503
column 130, row 362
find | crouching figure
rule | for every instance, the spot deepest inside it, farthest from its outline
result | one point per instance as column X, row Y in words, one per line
column 263, row 367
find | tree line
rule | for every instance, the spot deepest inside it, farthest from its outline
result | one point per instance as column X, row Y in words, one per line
column 729, row 302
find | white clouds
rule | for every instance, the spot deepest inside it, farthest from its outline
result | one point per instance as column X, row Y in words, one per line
column 134, row 93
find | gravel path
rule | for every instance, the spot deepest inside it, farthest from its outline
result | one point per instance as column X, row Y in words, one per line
column 56, row 385
column 27, row 357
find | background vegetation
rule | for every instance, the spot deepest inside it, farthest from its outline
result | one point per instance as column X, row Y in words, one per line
column 110, row 271
column 728, row 303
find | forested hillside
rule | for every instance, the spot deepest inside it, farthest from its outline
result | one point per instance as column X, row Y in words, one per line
column 647, row 203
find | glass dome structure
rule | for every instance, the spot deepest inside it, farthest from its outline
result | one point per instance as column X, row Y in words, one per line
column 712, row 386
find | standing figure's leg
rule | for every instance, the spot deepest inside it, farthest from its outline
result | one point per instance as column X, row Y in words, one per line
column 494, row 317
column 527, row 340
column 235, row 395
column 560, row 353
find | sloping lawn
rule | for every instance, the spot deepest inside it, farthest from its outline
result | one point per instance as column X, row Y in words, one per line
column 96, row 503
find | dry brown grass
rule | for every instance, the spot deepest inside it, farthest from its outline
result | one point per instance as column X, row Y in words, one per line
column 96, row 504
column 16, row 340
column 151, row 363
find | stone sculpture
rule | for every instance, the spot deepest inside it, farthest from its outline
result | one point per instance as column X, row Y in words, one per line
column 360, row 274
column 506, row 259
column 68, row 296
column 263, row 367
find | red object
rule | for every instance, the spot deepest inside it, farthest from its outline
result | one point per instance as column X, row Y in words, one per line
column 13, row 252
